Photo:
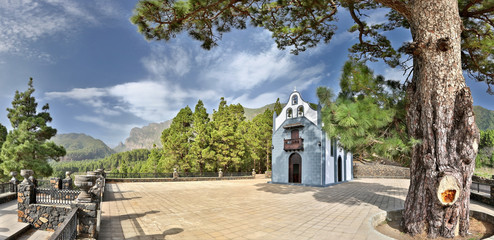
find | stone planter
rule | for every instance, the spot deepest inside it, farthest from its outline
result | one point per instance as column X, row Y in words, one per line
column 84, row 182
column 26, row 173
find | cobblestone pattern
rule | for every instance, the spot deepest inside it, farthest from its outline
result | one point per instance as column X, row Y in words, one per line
column 380, row 171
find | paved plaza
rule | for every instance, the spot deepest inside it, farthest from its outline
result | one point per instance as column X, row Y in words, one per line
column 248, row 209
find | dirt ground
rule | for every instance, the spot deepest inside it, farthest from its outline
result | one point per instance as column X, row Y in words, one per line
column 478, row 230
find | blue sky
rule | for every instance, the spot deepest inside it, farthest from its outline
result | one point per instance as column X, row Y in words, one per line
column 102, row 78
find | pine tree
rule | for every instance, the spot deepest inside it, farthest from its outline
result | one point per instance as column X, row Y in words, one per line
column 27, row 145
column 364, row 116
column 200, row 150
column 225, row 139
column 177, row 142
column 3, row 135
column 263, row 130
column 449, row 37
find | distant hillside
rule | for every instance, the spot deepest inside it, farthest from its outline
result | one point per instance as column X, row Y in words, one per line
column 144, row 137
column 81, row 147
column 250, row 113
column 484, row 118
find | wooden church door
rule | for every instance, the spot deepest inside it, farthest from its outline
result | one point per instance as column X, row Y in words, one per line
column 295, row 168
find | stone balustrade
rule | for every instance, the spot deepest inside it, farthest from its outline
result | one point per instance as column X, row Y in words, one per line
column 49, row 217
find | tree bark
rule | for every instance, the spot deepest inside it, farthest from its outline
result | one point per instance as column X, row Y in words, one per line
column 440, row 114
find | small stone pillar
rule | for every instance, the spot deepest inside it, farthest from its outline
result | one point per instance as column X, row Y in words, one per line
column 56, row 183
column 267, row 174
column 13, row 182
column 25, row 195
column 220, row 173
column 87, row 214
column 67, row 181
column 492, row 189
column 175, row 173
column 33, row 180
column 254, row 172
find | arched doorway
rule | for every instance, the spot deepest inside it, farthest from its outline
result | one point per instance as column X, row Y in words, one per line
column 340, row 169
column 295, row 168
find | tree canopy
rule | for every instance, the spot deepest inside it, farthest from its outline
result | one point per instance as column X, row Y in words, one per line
column 304, row 24
column 27, row 146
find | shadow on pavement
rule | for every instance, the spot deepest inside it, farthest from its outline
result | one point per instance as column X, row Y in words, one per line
column 349, row 193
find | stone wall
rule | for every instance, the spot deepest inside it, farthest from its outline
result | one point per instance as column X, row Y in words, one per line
column 43, row 217
column 88, row 216
column 380, row 171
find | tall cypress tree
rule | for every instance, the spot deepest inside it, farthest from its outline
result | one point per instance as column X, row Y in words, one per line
column 27, row 145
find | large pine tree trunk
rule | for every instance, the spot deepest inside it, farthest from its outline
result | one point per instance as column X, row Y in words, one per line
column 440, row 114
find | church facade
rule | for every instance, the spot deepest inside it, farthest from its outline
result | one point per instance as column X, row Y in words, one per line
column 302, row 151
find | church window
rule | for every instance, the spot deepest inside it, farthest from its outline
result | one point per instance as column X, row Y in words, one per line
column 295, row 100
column 289, row 113
column 300, row 111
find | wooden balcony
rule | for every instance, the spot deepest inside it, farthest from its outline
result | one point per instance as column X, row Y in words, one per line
column 294, row 144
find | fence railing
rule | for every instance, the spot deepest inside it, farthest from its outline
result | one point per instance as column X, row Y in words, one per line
column 5, row 187
column 237, row 174
column 180, row 174
column 139, row 175
column 55, row 196
column 480, row 188
column 68, row 229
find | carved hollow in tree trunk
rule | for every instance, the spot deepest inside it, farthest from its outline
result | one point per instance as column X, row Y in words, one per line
column 448, row 190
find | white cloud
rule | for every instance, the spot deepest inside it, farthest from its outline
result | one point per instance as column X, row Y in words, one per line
column 103, row 123
column 243, row 70
column 23, row 23
column 165, row 60
column 258, row 100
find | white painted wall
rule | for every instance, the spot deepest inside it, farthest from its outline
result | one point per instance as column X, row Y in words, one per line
column 309, row 113
column 349, row 158
column 329, row 162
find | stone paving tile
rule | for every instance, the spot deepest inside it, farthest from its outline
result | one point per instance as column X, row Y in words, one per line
column 247, row 209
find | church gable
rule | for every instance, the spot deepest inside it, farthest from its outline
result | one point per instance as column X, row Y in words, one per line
column 296, row 107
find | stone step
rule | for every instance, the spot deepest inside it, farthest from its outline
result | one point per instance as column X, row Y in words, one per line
column 9, row 227
column 34, row 234
column 14, row 230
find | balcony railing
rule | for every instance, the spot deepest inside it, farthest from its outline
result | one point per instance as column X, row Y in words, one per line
column 294, row 144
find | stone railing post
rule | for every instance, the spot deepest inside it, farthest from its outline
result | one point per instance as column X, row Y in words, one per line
column 56, row 183
column 254, row 172
column 13, row 182
column 492, row 189
column 88, row 208
column 67, row 181
column 33, row 180
column 220, row 173
column 175, row 173
column 26, row 195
